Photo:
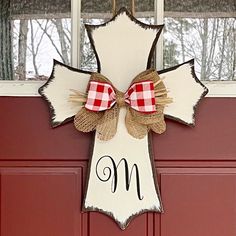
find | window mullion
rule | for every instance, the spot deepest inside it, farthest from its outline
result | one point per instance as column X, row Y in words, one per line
column 75, row 32
column 159, row 19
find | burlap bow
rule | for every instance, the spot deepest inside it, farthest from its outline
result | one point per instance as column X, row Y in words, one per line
column 138, row 124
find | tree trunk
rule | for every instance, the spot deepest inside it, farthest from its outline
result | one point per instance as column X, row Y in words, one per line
column 214, row 34
column 222, row 50
column 82, row 43
column 21, row 69
column 234, row 56
column 204, row 49
column 34, row 54
column 6, row 60
column 61, row 34
column 182, row 40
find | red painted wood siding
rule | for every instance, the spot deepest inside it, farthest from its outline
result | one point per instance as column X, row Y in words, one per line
column 42, row 175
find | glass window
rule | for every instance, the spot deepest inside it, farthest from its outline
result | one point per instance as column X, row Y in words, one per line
column 33, row 32
column 92, row 12
column 98, row 12
column 204, row 30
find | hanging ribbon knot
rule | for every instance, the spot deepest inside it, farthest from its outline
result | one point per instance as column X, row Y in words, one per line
column 144, row 100
column 140, row 96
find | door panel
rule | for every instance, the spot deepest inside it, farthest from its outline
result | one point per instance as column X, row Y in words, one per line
column 210, row 139
column 41, row 202
column 101, row 225
column 198, row 202
column 40, row 199
column 47, row 202
column 26, row 134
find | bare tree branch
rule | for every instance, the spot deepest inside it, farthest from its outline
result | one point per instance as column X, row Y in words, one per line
column 51, row 40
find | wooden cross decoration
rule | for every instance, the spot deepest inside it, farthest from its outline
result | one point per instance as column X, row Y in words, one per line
column 122, row 102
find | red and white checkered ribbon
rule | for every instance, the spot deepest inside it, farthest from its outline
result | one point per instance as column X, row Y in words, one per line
column 140, row 96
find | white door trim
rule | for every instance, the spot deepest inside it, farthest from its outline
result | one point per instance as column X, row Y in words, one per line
column 30, row 88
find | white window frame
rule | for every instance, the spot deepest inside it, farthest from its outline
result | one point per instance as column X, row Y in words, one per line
column 30, row 88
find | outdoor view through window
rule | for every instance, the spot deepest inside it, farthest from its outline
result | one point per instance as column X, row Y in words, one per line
column 34, row 32
column 205, row 31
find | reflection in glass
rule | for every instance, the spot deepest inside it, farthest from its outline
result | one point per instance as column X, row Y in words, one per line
column 37, row 32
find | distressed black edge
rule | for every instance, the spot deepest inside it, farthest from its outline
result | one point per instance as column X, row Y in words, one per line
column 50, row 79
column 90, row 28
column 91, row 151
column 205, row 92
column 127, row 222
column 110, row 214
column 153, row 48
column 154, row 171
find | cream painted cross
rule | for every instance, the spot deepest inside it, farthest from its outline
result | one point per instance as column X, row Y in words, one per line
column 121, row 181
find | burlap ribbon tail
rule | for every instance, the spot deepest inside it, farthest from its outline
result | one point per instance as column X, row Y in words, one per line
column 138, row 124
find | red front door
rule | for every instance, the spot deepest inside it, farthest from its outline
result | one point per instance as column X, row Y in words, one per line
column 43, row 171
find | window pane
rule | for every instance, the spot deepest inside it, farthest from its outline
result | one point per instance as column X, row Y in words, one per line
column 37, row 32
column 98, row 12
column 204, row 30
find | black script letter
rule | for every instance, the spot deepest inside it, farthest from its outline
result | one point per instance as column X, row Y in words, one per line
column 107, row 172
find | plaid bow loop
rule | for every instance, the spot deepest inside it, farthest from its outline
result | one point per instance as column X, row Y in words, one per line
column 145, row 100
column 102, row 96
